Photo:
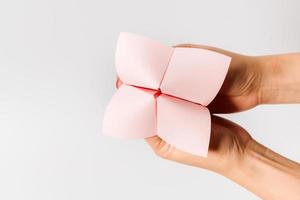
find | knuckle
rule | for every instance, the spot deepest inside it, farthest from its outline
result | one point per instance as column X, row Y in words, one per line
column 164, row 150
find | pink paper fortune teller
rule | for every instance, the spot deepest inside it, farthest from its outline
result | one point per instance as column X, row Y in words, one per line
column 164, row 92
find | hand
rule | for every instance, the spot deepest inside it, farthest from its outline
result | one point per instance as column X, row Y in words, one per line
column 228, row 144
column 241, row 88
column 255, row 80
column 235, row 155
column 250, row 81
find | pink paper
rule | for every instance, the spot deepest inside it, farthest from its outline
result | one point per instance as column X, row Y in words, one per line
column 141, row 61
column 131, row 111
column 183, row 124
column 164, row 91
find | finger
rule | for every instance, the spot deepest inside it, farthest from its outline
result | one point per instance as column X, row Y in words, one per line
column 200, row 46
column 166, row 151
column 118, row 82
column 154, row 141
column 188, row 45
column 160, row 147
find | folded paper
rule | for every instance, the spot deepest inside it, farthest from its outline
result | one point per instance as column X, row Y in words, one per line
column 164, row 92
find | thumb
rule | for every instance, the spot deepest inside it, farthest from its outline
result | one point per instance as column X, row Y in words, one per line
column 167, row 151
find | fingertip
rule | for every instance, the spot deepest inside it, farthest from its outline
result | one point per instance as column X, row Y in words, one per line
column 118, row 82
column 153, row 140
column 186, row 45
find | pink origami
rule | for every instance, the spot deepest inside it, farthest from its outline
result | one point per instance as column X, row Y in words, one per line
column 164, row 92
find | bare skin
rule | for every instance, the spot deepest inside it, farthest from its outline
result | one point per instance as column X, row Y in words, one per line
column 233, row 153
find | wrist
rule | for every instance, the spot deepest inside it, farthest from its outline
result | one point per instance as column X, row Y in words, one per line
column 270, row 72
column 280, row 78
column 265, row 173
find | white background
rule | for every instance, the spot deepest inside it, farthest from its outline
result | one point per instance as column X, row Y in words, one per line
column 57, row 75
